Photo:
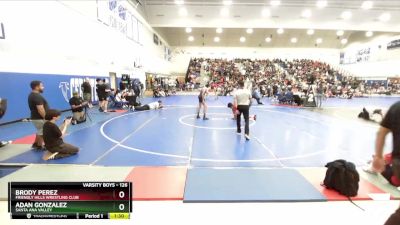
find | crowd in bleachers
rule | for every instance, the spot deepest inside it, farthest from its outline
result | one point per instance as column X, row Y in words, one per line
column 283, row 78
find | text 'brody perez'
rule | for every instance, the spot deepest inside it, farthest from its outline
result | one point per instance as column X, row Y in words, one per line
column 36, row 192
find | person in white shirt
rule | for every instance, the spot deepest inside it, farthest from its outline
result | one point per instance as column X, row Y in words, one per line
column 153, row 105
column 242, row 100
column 202, row 102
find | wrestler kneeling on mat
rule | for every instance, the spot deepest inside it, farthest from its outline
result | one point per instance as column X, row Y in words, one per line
column 153, row 105
column 53, row 137
column 235, row 111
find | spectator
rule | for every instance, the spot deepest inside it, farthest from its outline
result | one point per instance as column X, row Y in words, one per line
column 102, row 93
column 319, row 95
column 77, row 107
column 256, row 95
column 87, row 92
column 38, row 107
column 53, row 137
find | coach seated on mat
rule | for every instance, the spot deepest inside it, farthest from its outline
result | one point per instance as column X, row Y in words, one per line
column 52, row 135
column 77, row 106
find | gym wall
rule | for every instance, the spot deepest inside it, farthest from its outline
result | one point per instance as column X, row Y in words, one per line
column 61, row 43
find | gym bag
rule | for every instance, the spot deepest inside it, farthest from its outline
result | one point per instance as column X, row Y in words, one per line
column 343, row 177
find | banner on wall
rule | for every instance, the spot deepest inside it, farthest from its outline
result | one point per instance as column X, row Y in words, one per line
column 358, row 55
column 2, row 32
column 116, row 14
column 58, row 90
column 393, row 44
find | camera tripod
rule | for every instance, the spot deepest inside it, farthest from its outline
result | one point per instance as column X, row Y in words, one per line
column 87, row 113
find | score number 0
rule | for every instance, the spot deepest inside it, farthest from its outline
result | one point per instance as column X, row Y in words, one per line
column 121, row 195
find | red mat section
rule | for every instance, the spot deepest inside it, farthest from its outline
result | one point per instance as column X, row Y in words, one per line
column 158, row 183
column 121, row 111
column 25, row 140
column 290, row 106
column 316, row 177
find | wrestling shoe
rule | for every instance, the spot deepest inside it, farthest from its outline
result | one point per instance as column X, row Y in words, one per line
column 198, row 117
column 4, row 143
column 36, row 147
column 205, row 118
column 247, row 137
column 49, row 155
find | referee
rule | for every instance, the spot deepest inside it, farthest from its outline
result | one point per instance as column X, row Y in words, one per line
column 242, row 101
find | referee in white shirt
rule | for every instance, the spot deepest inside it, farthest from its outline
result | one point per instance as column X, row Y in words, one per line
column 242, row 101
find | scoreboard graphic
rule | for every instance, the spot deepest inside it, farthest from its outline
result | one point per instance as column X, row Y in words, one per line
column 70, row 200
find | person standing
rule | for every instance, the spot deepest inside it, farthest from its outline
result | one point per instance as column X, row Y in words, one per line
column 390, row 124
column 87, row 92
column 38, row 107
column 102, row 95
column 202, row 102
column 319, row 95
column 3, row 107
column 53, row 137
column 242, row 100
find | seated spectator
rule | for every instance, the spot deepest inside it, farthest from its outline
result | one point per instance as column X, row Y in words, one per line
column 289, row 96
column 153, row 105
column 53, row 137
column 256, row 95
column 77, row 107
column 120, row 96
column 281, row 96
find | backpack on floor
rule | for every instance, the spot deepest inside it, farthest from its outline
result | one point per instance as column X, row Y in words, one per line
column 343, row 177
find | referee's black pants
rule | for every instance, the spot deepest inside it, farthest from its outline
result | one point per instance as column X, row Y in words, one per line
column 245, row 110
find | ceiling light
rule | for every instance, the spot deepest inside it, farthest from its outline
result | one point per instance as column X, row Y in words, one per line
column 227, row 2
column 280, row 31
column 346, row 15
column 310, row 31
column 179, row 2
column 183, row 12
column 367, row 5
column 339, row 33
column 293, row 40
column 188, row 30
column 319, row 40
column 190, row 38
column 385, row 17
column 343, row 41
column 219, row 30
column 224, row 12
column 369, row 33
column 242, row 39
column 249, row 31
column 217, row 39
column 322, row 4
column 275, row 3
column 268, row 39
column 266, row 13
column 306, row 13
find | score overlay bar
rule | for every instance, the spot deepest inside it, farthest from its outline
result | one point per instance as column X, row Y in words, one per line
column 70, row 200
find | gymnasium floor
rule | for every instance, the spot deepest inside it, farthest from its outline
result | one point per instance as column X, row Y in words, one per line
column 169, row 155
